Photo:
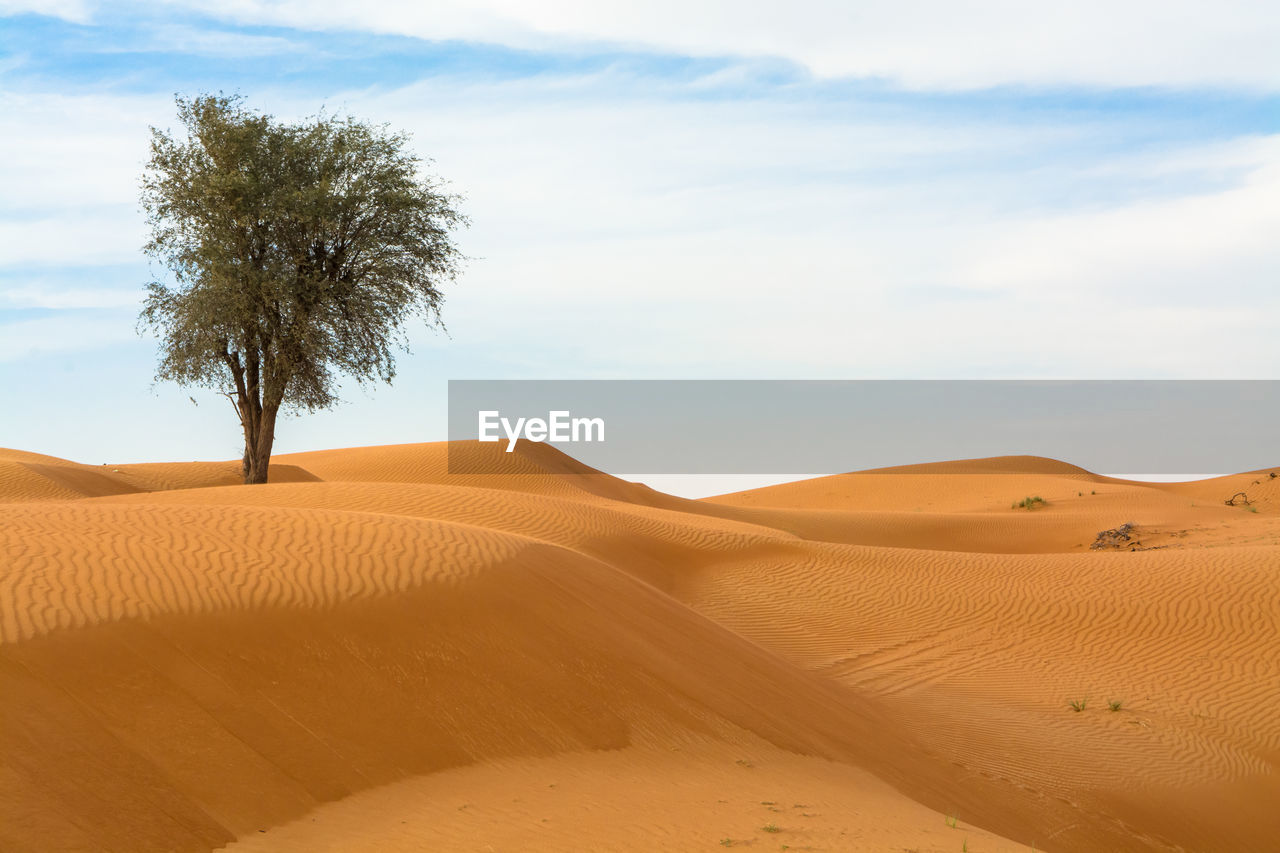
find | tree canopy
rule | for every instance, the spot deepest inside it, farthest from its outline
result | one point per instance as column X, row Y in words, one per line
column 298, row 253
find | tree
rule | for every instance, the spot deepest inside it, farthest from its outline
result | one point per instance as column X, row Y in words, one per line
column 298, row 251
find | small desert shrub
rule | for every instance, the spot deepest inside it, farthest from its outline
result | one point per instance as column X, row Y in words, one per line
column 771, row 827
column 1115, row 704
column 1078, row 705
column 951, row 821
column 1030, row 503
column 1116, row 537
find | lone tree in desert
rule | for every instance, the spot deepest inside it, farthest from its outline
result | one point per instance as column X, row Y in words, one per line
column 298, row 253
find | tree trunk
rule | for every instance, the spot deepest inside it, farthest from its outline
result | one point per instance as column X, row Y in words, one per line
column 259, row 436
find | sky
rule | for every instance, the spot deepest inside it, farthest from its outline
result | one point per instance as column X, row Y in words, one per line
column 703, row 189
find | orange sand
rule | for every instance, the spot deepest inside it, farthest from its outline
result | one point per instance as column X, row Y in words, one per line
column 371, row 654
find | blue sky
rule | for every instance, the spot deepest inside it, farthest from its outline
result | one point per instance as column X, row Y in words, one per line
column 697, row 189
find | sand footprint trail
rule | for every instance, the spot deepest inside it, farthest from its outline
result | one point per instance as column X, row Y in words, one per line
column 187, row 662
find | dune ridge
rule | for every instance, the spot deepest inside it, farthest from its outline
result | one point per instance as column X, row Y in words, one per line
column 188, row 663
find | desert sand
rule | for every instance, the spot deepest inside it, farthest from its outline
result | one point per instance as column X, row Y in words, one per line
column 371, row 654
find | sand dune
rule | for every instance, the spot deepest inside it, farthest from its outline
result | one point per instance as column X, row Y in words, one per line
column 699, row 795
column 371, row 653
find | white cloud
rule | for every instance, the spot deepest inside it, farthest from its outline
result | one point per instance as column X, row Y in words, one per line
column 919, row 44
column 753, row 239
column 61, row 150
column 46, row 335
column 76, row 11
column 108, row 235
column 50, row 295
column 1216, row 247
column 194, row 41
column 70, row 166
column 637, row 234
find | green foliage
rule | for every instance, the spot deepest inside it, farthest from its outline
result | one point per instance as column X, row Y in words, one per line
column 1078, row 705
column 298, row 253
column 1115, row 704
column 1030, row 503
column 770, row 827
